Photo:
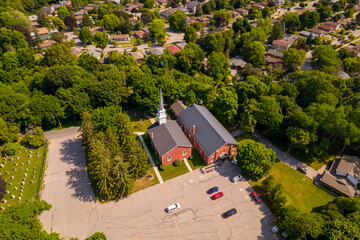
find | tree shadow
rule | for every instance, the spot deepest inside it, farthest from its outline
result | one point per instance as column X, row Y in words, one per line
column 78, row 178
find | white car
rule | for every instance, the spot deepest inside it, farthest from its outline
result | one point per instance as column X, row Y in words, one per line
column 275, row 229
column 237, row 178
column 173, row 207
column 234, row 161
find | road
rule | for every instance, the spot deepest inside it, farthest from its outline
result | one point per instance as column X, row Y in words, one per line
column 307, row 64
column 77, row 213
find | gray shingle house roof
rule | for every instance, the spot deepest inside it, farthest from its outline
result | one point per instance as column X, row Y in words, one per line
column 167, row 136
column 209, row 132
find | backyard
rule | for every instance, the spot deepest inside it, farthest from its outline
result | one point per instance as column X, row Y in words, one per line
column 22, row 175
column 300, row 189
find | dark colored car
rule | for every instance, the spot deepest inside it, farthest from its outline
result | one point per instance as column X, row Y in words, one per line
column 212, row 190
column 302, row 170
column 256, row 197
column 217, row 195
column 229, row 213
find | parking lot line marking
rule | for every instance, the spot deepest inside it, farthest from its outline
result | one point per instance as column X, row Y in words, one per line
column 167, row 188
column 177, row 228
column 98, row 210
column 224, row 230
column 135, row 199
column 246, row 237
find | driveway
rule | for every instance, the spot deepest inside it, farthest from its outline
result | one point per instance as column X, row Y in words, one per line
column 76, row 212
column 286, row 158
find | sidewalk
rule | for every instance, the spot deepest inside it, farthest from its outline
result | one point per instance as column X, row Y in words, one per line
column 150, row 158
column 187, row 165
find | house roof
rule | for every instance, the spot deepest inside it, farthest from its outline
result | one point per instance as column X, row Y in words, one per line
column 340, row 184
column 349, row 164
column 327, row 28
column 190, row 20
column 167, row 136
column 192, row 4
column 333, row 24
column 209, row 132
column 120, row 36
column 275, row 53
column 47, row 44
column 139, row 33
column 242, row 11
column 94, row 53
column 43, row 30
column 272, row 60
column 181, row 45
column 178, row 107
column 318, row 31
column 173, row 49
column 304, row 33
column 137, row 55
column 281, row 43
column 157, row 51
column 237, row 62
column 202, row 19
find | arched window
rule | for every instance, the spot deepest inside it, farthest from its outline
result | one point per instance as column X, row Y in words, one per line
column 169, row 158
column 184, row 153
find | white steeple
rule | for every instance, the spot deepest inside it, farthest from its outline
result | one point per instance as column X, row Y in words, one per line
column 161, row 115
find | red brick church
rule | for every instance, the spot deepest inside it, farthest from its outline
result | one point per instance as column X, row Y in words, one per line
column 167, row 138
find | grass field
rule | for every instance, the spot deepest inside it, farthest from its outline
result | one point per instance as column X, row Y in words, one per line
column 197, row 161
column 300, row 189
column 140, row 123
column 144, row 182
column 245, row 138
column 33, row 174
column 171, row 171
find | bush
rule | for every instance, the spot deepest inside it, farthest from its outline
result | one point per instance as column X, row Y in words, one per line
column 97, row 236
column 34, row 138
column 162, row 167
column 191, row 157
column 177, row 163
column 10, row 148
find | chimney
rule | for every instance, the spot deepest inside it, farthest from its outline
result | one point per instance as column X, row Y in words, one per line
column 193, row 130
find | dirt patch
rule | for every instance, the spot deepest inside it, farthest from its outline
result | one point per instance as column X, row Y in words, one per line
column 304, row 179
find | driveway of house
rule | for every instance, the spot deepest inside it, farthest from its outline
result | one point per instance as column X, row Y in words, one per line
column 76, row 212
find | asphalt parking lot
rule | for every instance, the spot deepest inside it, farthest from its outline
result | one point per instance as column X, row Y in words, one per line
column 76, row 213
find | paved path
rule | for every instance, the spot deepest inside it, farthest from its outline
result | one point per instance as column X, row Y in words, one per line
column 151, row 160
column 286, row 158
column 188, row 165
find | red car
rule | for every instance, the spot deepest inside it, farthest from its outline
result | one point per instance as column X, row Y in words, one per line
column 256, row 197
column 217, row 195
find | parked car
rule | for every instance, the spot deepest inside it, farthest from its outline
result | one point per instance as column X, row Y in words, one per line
column 217, row 195
column 234, row 161
column 256, row 197
column 212, row 190
column 173, row 207
column 237, row 178
column 302, row 170
column 284, row 235
column 275, row 229
column 229, row 213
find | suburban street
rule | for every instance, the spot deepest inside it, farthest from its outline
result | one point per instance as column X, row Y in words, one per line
column 77, row 213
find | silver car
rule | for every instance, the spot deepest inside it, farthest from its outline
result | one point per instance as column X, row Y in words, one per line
column 237, row 178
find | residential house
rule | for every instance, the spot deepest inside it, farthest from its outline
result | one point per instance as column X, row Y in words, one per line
column 156, row 51
column 343, row 176
column 162, row 2
column 79, row 19
column 139, row 57
column 275, row 54
column 180, row 45
column 258, row 6
column 248, row 8
column 318, row 32
column 273, row 61
column 326, row 28
column 184, row 10
column 131, row 8
column 46, row 44
column 191, row 21
column 165, row 15
column 177, row 107
column 94, row 53
column 139, row 34
column 191, row 6
column 76, row 51
column 117, row 2
column 242, row 11
column 280, row 45
column 237, row 63
column 234, row 14
column 202, row 19
column 290, row 38
column 139, row 5
column 120, row 38
column 304, row 34
column 335, row 25
column 173, row 49
column 48, row 10
column 167, row 138
column 172, row 11
column 95, row 29
column 44, row 33
column 345, row 21
column 264, row 4
column 355, row 49
column 212, row 141
column 279, row 2
column 33, row 18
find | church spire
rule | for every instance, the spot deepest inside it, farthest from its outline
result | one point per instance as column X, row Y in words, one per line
column 161, row 115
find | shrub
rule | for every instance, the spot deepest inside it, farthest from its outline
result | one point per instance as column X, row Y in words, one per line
column 162, row 167
column 97, row 236
column 10, row 148
column 191, row 157
column 34, row 138
column 177, row 163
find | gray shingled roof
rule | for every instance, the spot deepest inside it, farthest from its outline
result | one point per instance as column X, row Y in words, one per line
column 209, row 132
column 167, row 136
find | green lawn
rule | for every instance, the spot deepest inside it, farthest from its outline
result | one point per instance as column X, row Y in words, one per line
column 245, row 138
column 143, row 182
column 197, row 161
column 300, row 189
column 140, row 123
column 30, row 189
column 171, row 171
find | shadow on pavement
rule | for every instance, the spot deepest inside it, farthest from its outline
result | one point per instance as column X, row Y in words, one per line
column 78, row 178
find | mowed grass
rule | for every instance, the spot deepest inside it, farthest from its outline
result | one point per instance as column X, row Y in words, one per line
column 171, row 171
column 140, row 123
column 144, row 182
column 245, row 138
column 300, row 189
column 30, row 189
column 196, row 161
